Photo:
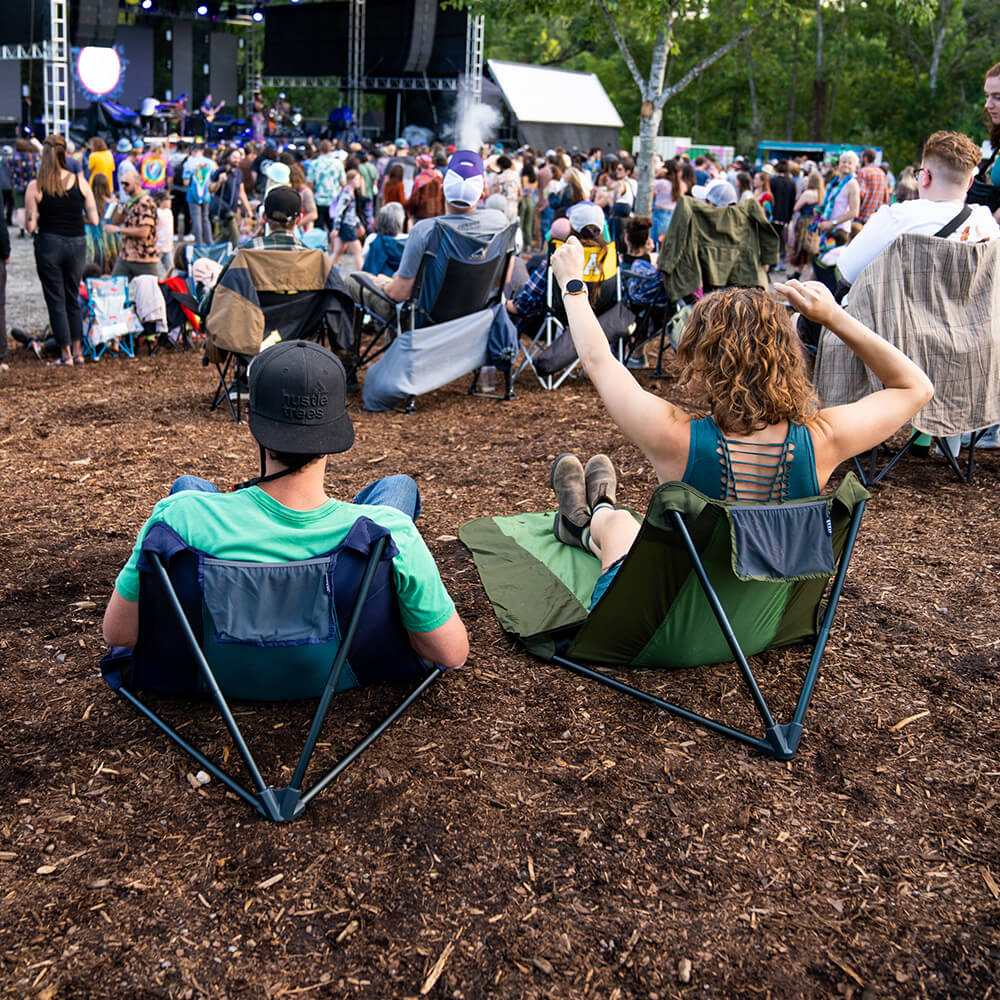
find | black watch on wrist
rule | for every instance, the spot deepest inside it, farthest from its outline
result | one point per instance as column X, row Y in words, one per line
column 574, row 287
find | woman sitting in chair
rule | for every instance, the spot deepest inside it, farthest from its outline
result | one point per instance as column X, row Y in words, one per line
column 766, row 440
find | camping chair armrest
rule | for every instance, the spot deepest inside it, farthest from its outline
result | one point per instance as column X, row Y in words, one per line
column 367, row 282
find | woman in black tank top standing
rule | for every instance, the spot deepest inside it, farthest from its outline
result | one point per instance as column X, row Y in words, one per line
column 54, row 207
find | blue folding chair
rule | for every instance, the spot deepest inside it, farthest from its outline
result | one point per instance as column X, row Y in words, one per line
column 111, row 318
column 268, row 632
column 219, row 252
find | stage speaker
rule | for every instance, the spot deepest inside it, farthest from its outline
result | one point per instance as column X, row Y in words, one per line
column 96, row 23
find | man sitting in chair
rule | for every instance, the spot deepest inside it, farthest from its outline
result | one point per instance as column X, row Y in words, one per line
column 464, row 182
column 947, row 166
column 298, row 418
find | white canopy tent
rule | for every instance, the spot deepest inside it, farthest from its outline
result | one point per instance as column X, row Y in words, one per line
column 557, row 107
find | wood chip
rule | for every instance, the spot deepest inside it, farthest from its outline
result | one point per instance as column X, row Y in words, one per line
column 543, row 964
column 435, row 973
column 45, row 870
column 684, row 970
column 268, row 882
column 910, row 718
column 845, row 968
column 7, row 856
column 990, row 882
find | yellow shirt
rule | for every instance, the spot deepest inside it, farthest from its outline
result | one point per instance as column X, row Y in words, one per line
column 102, row 162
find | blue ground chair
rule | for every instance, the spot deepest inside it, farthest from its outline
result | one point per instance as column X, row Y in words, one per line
column 268, row 632
column 111, row 318
column 454, row 323
column 705, row 582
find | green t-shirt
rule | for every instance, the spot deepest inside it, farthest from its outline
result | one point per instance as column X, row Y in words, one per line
column 252, row 526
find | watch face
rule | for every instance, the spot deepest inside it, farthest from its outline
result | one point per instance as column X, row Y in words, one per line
column 574, row 287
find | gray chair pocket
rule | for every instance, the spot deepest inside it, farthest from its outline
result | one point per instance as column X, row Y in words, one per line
column 265, row 604
column 782, row 541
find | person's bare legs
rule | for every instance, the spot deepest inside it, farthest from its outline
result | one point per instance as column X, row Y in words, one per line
column 339, row 246
column 612, row 534
column 354, row 249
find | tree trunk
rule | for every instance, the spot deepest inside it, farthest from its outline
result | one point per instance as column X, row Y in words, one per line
column 819, row 84
column 790, row 120
column 650, row 118
column 754, row 109
column 649, row 127
column 939, row 39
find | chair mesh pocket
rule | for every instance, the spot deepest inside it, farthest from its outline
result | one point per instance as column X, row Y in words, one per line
column 782, row 541
column 264, row 604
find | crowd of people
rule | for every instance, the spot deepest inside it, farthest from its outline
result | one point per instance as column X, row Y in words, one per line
column 123, row 210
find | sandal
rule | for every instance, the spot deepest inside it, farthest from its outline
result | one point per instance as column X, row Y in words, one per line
column 61, row 363
column 79, row 359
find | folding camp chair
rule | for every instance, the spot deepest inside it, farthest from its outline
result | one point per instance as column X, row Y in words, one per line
column 269, row 293
column 219, row 252
column 596, row 270
column 268, row 632
column 705, row 582
column 111, row 319
column 453, row 323
column 938, row 301
column 652, row 319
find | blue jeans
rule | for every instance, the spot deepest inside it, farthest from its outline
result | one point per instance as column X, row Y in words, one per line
column 400, row 492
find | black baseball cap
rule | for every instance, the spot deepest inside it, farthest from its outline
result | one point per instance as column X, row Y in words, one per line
column 283, row 204
column 298, row 393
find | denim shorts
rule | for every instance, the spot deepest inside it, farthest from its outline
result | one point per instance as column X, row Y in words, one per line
column 604, row 581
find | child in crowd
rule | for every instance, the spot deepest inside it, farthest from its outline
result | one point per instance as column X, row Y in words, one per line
column 164, row 229
column 347, row 229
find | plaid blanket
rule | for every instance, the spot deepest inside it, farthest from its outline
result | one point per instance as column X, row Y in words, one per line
column 938, row 301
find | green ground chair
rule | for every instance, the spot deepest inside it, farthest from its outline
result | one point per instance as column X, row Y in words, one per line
column 705, row 582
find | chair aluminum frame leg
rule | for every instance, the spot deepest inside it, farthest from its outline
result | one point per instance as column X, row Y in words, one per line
column 873, row 478
column 280, row 804
column 780, row 741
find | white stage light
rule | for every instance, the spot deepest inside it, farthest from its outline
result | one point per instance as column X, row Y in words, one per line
column 99, row 69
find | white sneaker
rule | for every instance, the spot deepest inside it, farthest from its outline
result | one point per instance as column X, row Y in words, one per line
column 991, row 439
column 189, row 238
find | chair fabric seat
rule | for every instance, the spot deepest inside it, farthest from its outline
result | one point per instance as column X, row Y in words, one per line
column 270, row 631
column 655, row 613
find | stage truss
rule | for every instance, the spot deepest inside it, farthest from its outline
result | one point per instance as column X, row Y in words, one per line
column 355, row 83
column 55, row 53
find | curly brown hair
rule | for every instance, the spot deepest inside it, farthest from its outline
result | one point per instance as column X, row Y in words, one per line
column 740, row 350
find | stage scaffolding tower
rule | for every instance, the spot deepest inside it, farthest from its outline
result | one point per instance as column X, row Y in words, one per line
column 57, row 70
column 254, row 58
column 356, row 61
column 474, row 38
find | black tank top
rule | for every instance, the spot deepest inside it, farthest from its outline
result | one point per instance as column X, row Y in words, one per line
column 62, row 216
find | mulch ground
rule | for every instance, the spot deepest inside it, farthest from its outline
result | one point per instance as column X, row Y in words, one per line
column 520, row 833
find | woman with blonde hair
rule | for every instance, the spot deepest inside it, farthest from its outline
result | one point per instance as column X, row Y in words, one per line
column 766, row 438
column 803, row 217
column 54, row 208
